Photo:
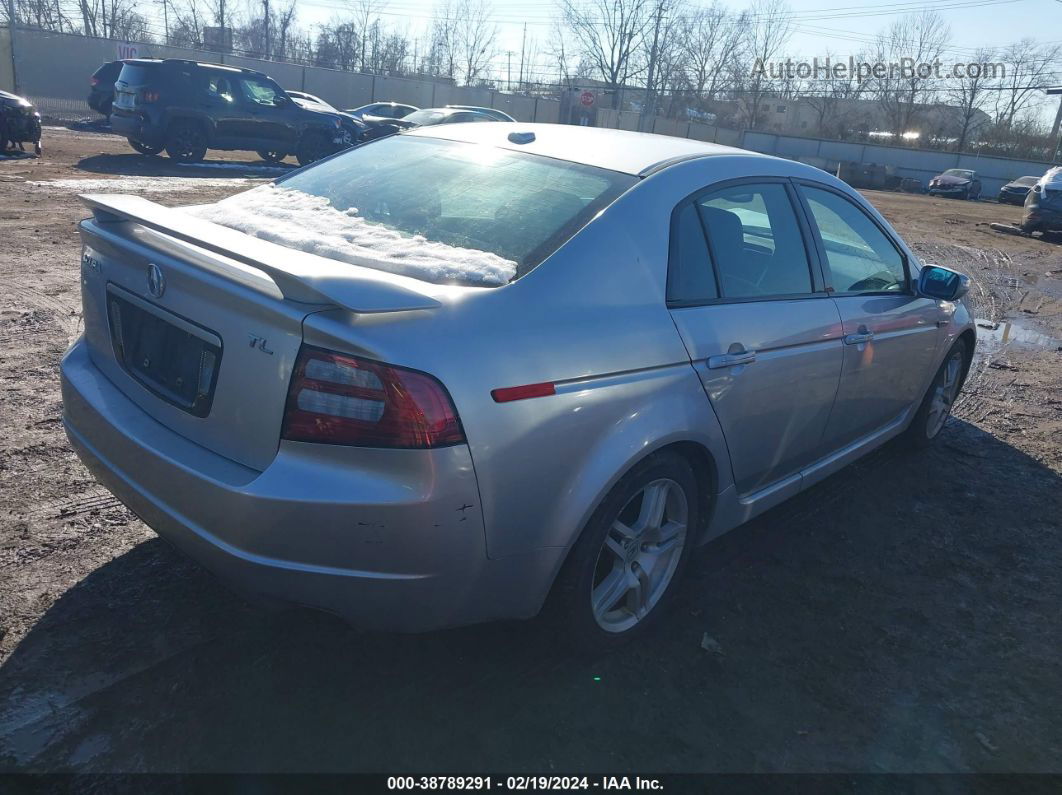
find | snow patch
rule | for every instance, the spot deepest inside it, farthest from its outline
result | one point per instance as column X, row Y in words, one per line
column 309, row 223
column 250, row 168
column 139, row 184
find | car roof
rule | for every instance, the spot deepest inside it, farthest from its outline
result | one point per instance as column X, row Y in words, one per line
column 616, row 150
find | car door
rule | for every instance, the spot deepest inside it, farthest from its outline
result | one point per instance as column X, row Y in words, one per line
column 219, row 97
column 748, row 300
column 271, row 114
column 890, row 333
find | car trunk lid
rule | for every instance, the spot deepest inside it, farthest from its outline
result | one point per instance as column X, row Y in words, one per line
column 200, row 325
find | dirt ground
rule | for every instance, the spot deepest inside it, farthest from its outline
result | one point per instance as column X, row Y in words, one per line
column 902, row 616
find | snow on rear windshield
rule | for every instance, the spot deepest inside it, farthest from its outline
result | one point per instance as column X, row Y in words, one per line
column 442, row 211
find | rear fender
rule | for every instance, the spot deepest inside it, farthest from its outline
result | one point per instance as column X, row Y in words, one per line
column 679, row 412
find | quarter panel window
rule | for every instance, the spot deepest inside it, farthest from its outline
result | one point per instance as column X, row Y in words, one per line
column 860, row 257
column 690, row 277
column 755, row 241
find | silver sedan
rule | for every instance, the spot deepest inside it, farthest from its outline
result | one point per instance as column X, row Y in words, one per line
column 479, row 371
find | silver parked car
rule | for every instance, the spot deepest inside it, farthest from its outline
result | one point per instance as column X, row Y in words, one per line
column 472, row 371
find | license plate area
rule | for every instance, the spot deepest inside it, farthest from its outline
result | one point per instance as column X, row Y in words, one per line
column 173, row 358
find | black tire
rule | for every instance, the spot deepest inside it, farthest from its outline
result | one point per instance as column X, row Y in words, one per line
column 271, row 157
column 106, row 107
column 569, row 607
column 186, row 142
column 143, row 148
column 927, row 425
column 313, row 145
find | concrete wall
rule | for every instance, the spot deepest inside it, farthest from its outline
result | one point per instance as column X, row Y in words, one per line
column 7, row 74
column 921, row 164
column 53, row 70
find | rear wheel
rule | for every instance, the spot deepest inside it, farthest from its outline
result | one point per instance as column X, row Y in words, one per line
column 143, row 148
column 186, row 142
column 271, row 157
column 313, row 146
column 937, row 403
column 622, row 572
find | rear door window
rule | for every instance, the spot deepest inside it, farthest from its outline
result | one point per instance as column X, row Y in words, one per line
column 755, row 241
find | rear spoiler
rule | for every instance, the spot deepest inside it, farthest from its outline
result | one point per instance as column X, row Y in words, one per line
column 300, row 276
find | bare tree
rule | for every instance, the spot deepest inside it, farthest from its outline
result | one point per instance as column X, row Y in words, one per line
column 833, row 97
column 610, row 36
column 918, row 40
column 476, row 37
column 970, row 93
column 1030, row 68
column 713, row 39
column 769, row 29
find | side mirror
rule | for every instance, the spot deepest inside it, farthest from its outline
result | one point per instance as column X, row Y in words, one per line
column 281, row 100
column 942, row 284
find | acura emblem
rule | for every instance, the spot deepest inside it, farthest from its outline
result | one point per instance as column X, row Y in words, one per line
column 156, row 281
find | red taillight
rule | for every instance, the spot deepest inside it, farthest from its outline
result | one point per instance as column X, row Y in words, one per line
column 95, row 81
column 339, row 399
column 149, row 96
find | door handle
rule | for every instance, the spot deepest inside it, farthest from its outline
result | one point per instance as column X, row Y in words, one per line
column 731, row 359
column 863, row 334
column 858, row 339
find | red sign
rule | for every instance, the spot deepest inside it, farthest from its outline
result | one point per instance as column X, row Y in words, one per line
column 587, row 98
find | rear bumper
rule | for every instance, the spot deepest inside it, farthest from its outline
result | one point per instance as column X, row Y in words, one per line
column 133, row 125
column 1043, row 218
column 386, row 539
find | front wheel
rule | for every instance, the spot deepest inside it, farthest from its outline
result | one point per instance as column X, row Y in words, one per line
column 143, row 148
column 271, row 157
column 623, row 570
column 936, row 405
column 313, row 147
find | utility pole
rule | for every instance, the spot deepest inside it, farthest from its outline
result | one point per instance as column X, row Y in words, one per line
column 265, row 36
column 221, row 24
column 648, row 108
column 509, row 70
column 1056, row 142
column 523, row 50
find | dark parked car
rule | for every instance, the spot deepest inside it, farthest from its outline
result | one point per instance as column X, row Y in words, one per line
column 20, row 123
column 1043, row 205
column 382, row 110
column 1016, row 191
column 959, row 183
column 101, row 87
column 497, row 114
column 186, row 107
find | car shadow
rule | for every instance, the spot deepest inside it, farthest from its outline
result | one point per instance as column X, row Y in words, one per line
column 134, row 164
column 899, row 616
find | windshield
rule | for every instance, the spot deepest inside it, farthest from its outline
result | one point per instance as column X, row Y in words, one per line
column 424, row 117
column 959, row 172
column 442, row 211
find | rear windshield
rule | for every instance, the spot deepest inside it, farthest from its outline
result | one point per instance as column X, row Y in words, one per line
column 442, row 211
column 1030, row 181
column 137, row 75
column 426, row 117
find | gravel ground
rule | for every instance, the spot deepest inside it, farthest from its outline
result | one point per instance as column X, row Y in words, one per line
column 902, row 616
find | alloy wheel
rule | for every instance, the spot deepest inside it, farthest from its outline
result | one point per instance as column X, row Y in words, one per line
column 640, row 555
column 944, row 395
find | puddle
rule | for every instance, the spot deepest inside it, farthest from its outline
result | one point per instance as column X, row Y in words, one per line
column 993, row 336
